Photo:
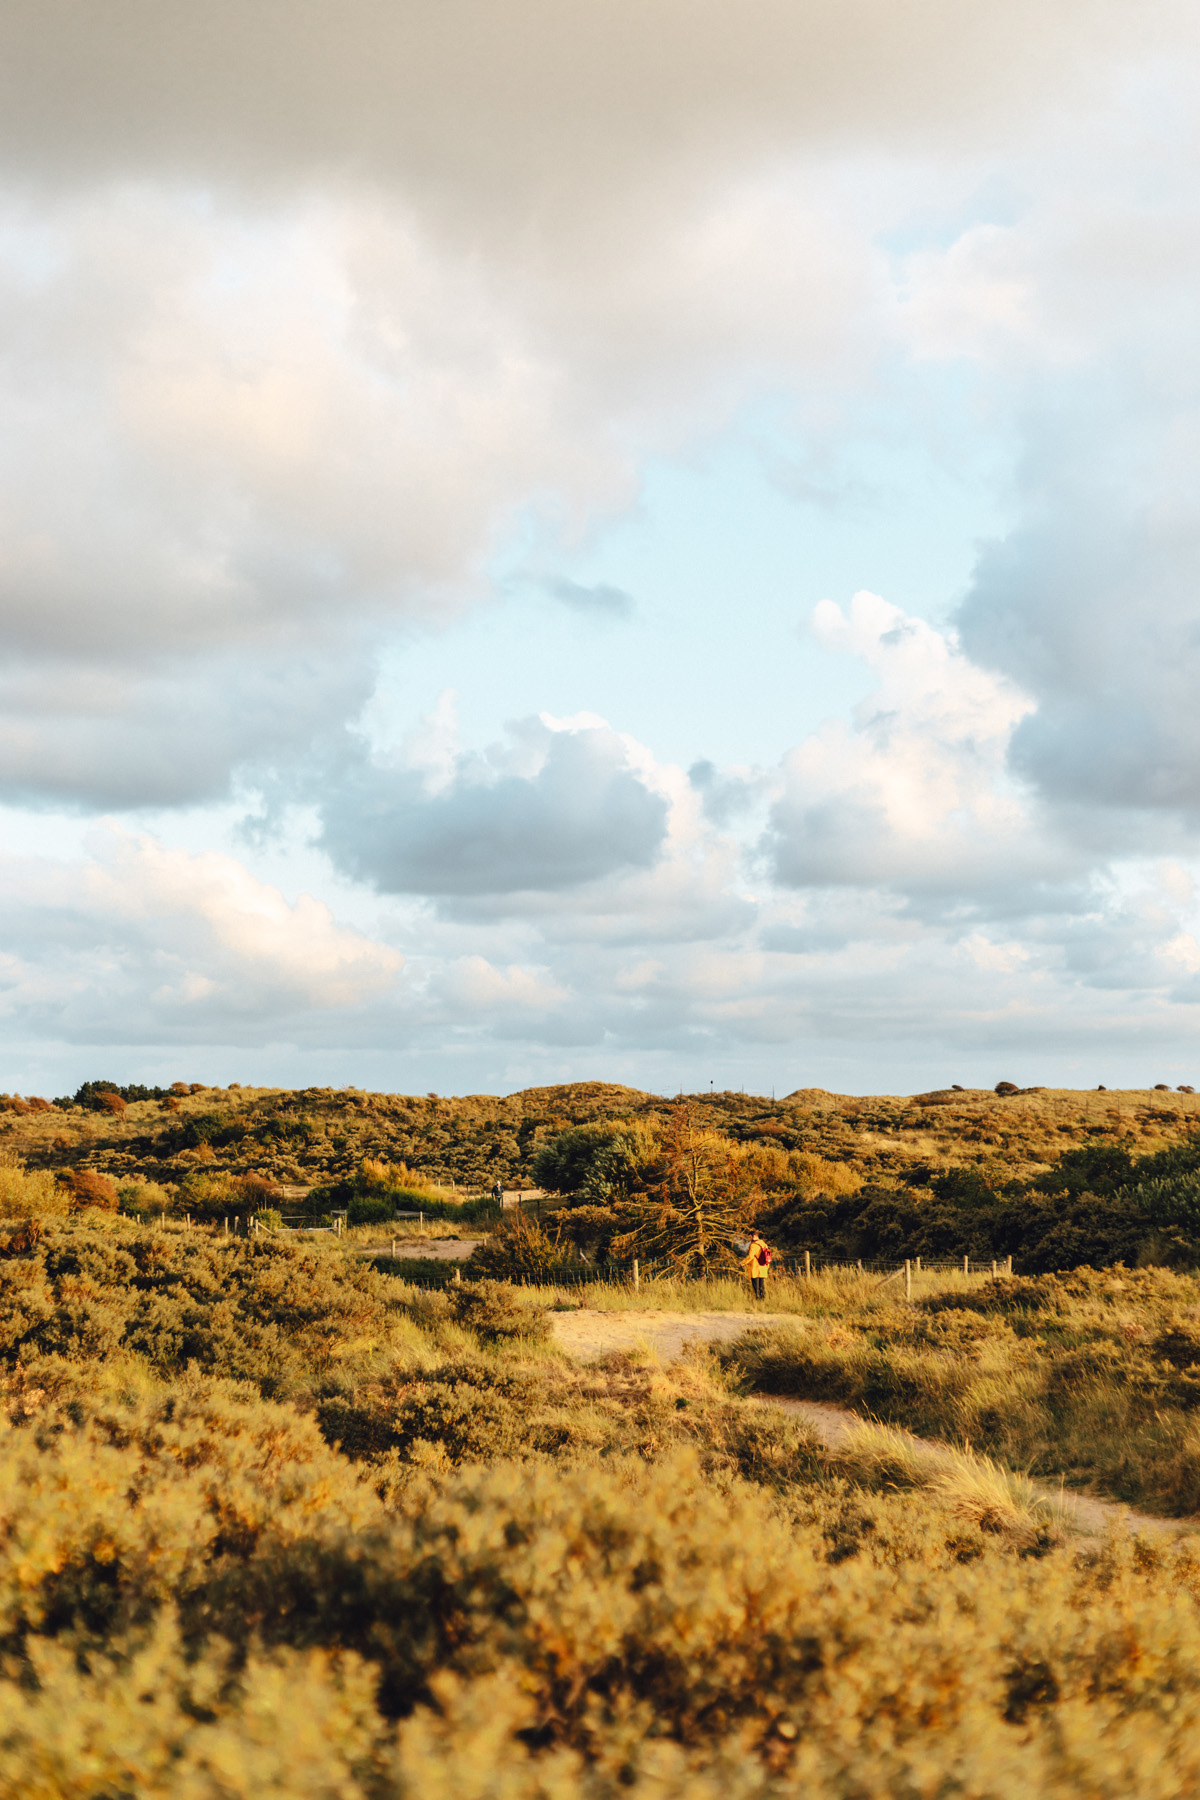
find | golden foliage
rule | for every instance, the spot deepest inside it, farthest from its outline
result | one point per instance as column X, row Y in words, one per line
column 30, row 1193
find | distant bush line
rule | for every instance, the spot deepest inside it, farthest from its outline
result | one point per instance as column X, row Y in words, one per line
column 1097, row 1206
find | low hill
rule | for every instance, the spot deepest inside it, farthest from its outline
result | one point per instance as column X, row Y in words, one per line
column 310, row 1135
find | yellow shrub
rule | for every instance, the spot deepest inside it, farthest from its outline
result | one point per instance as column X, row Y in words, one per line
column 815, row 1175
column 29, row 1193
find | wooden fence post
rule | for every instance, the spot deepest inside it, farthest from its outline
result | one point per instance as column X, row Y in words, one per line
column 1008, row 1266
column 637, row 1280
column 393, row 1249
column 807, row 1265
column 966, row 1265
column 457, row 1273
column 907, row 1280
column 918, row 1265
column 993, row 1268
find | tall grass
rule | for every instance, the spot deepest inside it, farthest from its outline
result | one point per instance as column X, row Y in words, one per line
column 1093, row 1376
column 828, row 1292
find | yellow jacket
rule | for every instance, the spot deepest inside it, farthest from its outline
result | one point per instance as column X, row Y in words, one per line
column 756, row 1265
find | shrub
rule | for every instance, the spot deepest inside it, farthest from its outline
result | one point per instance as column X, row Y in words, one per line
column 493, row 1311
column 209, row 1198
column 260, row 1309
column 142, row 1199
column 253, row 1191
column 1170, row 1200
column 591, row 1229
column 269, row 1218
column 595, row 1164
column 88, row 1187
column 370, row 1209
column 30, row 1193
column 518, row 1246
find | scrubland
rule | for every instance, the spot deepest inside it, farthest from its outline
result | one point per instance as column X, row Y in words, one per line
column 463, row 1144
column 275, row 1522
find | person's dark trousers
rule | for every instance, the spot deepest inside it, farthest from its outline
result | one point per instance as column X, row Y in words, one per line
column 759, row 1284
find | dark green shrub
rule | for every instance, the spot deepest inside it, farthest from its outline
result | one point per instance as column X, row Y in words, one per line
column 370, row 1209
column 593, row 1164
column 1170, row 1200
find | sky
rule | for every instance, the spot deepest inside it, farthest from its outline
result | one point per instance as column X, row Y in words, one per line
column 644, row 542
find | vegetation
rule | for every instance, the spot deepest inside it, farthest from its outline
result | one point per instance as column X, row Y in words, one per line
column 276, row 1520
column 1096, row 1205
column 1092, row 1376
column 818, row 1142
column 275, row 1523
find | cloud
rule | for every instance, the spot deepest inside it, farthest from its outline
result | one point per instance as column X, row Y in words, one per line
column 242, row 451
column 914, row 795
column 307, row 319
column 1091, row 605
column 600, row 601
column 561, row 100
column 143, row 942
column 1082, row 312
column 550, row 810
column 303, row 319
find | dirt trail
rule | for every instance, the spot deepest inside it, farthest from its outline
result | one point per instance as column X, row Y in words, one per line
column 427, row 1249
column 587, row 1335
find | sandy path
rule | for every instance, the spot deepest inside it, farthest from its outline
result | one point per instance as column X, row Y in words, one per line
column 431, row 1249
column 588, row 1334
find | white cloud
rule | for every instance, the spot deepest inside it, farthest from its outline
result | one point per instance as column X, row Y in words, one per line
column 300, row 324
column 143, row 940
column 985, row 953
column 915, row 793
column 297, row 322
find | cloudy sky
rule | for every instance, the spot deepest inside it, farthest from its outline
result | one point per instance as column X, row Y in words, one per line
column 653, row 541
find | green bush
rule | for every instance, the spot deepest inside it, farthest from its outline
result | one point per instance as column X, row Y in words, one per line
column 595, row 1164
column 145, row 1199
column 370, row 1209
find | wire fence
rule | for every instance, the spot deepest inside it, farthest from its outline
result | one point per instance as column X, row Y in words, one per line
column 436, row 1272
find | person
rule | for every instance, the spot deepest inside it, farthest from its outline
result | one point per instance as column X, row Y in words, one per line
column 758, row 1261
column 498, row 1192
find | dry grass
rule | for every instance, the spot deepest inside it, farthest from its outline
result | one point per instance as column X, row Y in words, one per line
column 1094, row 1377
column 405, row 1231
column 832, row 1292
